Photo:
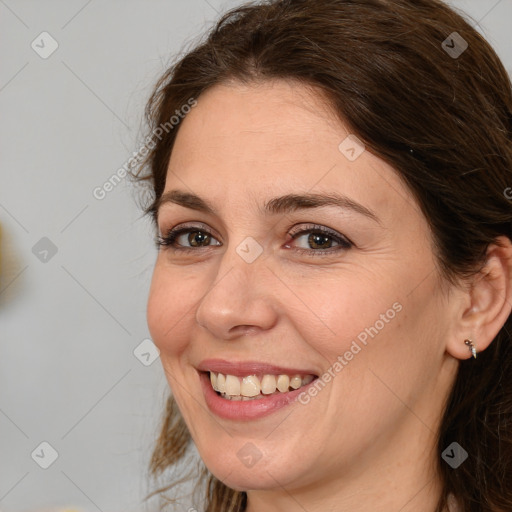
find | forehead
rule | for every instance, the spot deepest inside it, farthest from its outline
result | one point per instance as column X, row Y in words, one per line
column 278, row 114
column 271, row 138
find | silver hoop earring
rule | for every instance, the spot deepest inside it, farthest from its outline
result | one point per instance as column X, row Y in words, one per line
column 469, row 343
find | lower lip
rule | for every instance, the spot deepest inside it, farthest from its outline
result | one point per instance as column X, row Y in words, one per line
column 246, row 409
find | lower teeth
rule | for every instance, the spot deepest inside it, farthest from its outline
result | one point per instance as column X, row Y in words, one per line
column 240, row 397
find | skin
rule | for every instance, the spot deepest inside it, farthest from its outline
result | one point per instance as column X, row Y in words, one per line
column 367, row 440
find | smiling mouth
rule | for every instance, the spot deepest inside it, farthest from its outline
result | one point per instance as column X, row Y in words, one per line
column 256, row 387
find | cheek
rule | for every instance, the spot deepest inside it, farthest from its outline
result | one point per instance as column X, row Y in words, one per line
column 347, row 307
column 169, row 302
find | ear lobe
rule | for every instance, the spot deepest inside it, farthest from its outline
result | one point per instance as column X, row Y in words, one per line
column 490, row 298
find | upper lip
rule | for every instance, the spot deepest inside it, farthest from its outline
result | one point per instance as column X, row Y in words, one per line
column 243, row 368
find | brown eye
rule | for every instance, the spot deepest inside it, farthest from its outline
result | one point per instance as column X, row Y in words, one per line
column 198, row 238
column 321, row 241
column 186, row 239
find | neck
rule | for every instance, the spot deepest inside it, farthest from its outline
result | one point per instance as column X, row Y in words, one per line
column 422, row 497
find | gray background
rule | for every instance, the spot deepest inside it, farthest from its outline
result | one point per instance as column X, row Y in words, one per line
column 69, row 324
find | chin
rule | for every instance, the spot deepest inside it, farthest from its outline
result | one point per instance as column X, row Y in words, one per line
column 242, row 466
column 249, row 479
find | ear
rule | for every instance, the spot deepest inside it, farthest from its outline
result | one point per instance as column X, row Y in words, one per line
column 488, row 301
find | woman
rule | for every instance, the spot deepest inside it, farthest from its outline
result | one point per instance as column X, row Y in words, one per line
column 332, row 294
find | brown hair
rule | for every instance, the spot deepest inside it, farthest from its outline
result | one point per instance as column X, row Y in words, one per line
column 443, row 121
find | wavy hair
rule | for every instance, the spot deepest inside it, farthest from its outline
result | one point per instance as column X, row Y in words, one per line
column 442, row 121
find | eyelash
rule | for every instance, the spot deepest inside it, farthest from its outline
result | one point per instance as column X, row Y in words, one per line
column 344, row 243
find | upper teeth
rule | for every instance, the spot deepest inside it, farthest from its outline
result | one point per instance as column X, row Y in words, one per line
column 252, row 385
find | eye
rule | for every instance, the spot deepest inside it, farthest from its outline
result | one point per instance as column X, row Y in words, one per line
column 177, row 239
column 319, row 240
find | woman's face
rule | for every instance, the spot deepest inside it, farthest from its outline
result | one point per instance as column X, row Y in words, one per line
column 253, row 289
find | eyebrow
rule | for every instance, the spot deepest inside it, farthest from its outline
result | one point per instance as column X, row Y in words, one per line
column 277, row 205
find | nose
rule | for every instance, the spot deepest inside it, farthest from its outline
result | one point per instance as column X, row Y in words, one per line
column 240, row 299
